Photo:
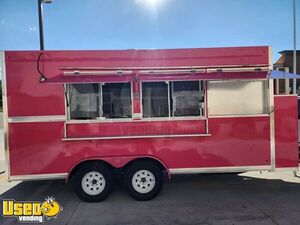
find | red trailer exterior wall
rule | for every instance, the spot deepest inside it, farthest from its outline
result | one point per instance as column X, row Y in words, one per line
column 286, row 131
column 235, row 142
column 39, row 148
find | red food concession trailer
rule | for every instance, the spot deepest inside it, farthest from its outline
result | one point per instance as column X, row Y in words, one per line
column 85, row 115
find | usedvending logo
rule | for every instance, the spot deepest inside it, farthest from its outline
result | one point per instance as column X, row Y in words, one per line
column 31, row 211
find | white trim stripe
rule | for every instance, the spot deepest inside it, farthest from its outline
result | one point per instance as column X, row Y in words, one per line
column 30, row 119
column 133, row 137
column 286, row 169
column 5, row 122
column 285, row 95
column 239, row 116
column 172, row 172
column 272, row 125
column 219, row 169
column 51, row 176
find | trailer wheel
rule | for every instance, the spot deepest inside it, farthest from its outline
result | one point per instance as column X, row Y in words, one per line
column 143, row 180
column 93, row 182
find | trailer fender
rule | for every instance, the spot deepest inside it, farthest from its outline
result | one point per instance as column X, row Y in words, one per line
column 116, row 162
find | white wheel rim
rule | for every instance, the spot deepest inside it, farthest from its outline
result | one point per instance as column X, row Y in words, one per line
column 143, row 181
column 93, row 183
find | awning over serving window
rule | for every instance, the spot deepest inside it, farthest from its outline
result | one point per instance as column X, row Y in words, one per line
column 206, row 76
column 103, row 78
column 72, row 79
column 277, row 74
column 161, row 75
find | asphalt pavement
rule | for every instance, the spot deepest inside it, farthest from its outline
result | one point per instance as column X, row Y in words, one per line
column 227, row 199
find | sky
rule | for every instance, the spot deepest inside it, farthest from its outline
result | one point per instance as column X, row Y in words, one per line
column 148, row 24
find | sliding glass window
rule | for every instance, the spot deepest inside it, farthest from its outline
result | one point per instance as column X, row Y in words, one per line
column 84, row 101
column 116, row 100
column 155, row 99
column 173, row 99
column 99, row 101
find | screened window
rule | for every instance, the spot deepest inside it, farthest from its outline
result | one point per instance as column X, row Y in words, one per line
column 186, row 98
column 155, row 99
column 84, row 101
column 96, row 101
column 116, row 100
column 172, row 99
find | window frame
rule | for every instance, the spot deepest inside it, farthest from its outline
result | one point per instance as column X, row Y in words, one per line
column 100, row 118
column 266, row 100
column 203, row 111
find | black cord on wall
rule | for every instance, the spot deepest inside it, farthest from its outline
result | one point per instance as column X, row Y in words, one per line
column 42, row 75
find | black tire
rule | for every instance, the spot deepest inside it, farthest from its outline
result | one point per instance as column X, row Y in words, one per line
column 135, row 169
column 93, row 169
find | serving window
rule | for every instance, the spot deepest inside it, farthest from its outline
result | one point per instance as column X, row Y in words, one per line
column 173, row 99
column 116, row 99
column 155, row 99
column 186, row 98
column 237, row 97
column 84, row 101
column 92, row 101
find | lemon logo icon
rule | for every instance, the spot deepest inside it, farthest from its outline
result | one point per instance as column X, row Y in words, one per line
column 51, row 208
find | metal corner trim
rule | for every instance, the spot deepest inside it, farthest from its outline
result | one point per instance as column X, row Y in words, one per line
column 51, row 176
column 196, row 170
column 5, row 113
